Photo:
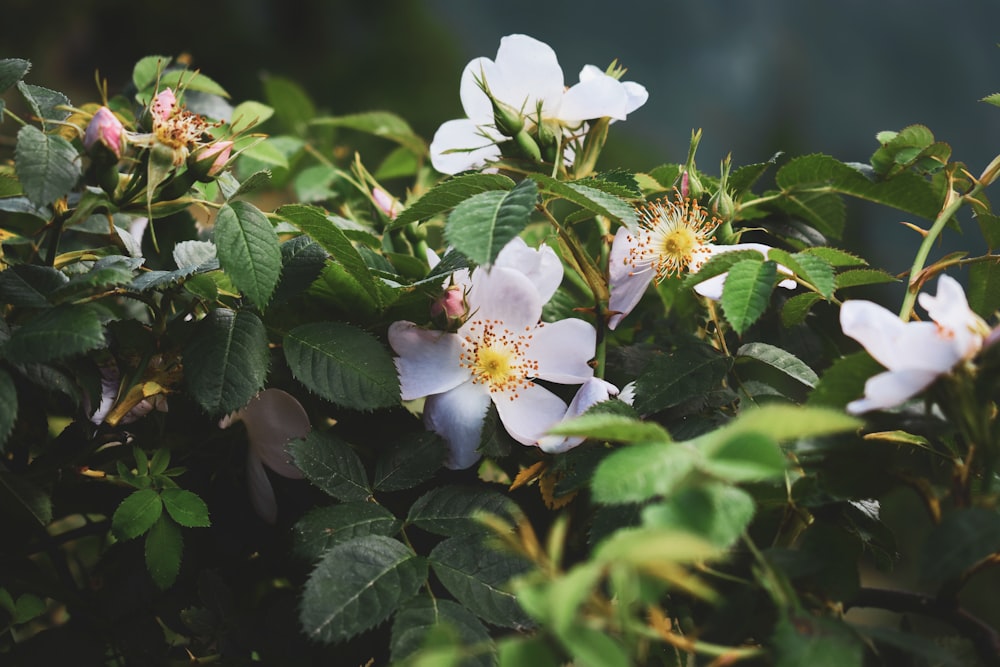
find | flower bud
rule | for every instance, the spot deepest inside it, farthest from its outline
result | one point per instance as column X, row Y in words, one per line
column 104, row 133
column 450, row 310
column 207, row 162
column 507, row 120
column 162, row 107
column 385, row 203
column 689, row 180
column 721, row 203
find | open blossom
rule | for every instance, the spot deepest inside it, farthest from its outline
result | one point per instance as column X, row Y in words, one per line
column 175, row 129
column 527, row 82
column 593, row 391
column 915, row 353
column 674, row 237
column 495, row 356
column 272, row 418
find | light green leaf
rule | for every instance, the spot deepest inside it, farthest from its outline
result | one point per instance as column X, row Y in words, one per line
column 779, row 359
column 534, row 650
column 811, row 268
column 55, row 333
column 136, row 514
column 782, row 422
column 421, row 617
column 293, row 109
column 449, row 194
column 249, row 114
column 146, row 70
column 482, row 225
column 617, row 428
column 743, row 457
column 248, row 249
column 226, row 361
column 856, row 277
column 719, row 513
column 747, row 291
column 186, row 508
column 638, row 472
column 164, row 548
column 357, row 585
column 380, row 124
column 191, row 80
column 47, row 165
column 638, row 546
column 27, row 608
column 8, row 407
column 479, row 576
column 844, row 380
column 835, row 256
column 589, row 646
column 342, row 364
column 331, row 464
column 324, row 527
column 453, row 510
column 594, row 200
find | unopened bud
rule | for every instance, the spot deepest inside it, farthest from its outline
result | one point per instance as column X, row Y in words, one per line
column 163, row 104
column 721, row 203
column 689, row 173
column 507, row 120
column 528, row 147
column 104, row 133
column 385, row 203
column 450, row 310
column 207, row 162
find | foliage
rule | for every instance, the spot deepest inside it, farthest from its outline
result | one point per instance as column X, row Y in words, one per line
column 715, row 504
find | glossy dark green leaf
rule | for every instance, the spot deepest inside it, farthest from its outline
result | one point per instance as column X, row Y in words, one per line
column 984, row 289
column 452, row 510
column 56, row 333
column 844, row 380
column 248, row 250
column 164, row 549
column 422, row 617
column 448, row 194
column 410, row 461
column 47, row 104
column 357, row 585
column 857, row 277
column 674, row 378
column 779, row 359
column 481, row 225
column 324, row 527
column 47, row 165
column 331, row 464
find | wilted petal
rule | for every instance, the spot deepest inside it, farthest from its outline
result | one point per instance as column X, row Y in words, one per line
column 428, row 361
column 528, row 416
column 563, row 349
column 261, row 492
column 627, row 286
column 457, row 416
column 542, row 266
column 891, row 388
column 461, row 144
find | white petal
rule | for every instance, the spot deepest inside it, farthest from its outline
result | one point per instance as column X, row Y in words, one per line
column 891, row 388
column 591, row 392
column 596, row 97
column 528, row 416
column 529, row 73
column 506, row 295
column 627, row 287
column 428, row 361
column 457, row 416
column 637, row 95
column 261, row 493
column 273, row 418
column 950, row 309
column 542, row 266
column 712, row 288
column 897, row 345
column 475, row 102
column 562, row 350
column 460, row 145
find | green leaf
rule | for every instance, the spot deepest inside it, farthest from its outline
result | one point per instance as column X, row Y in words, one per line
column 8, row 407
column 28, row 285
column 835, row 256
column 12, row 70
column 844, row 380
column 781, row 360
column 594, row 200
column 453, row 510
column 589, row 646
column 324, row 527
column 720, row 263
column 314, row 222
column 747, row 291
column 534, row 650
column 47, row 165
column 186, row 508
column 719, row 513
column 357, row 585
column 781, row 423
column 672, row 379
column 164, row 548
column 802, row 639
column 478, row 576
column 293, row 109
column 809, row 267
column 639, row 472
column 56, row 333
column 744, row 457
column 342, row 364
column 249, row 114
column 796, row 309
column 27, row 608
column 380, row 124
column 147, row 69
column 993, row 99
column 857, row 277
column 984, row 289
column 191, row 80
column 422, row 616
column 481, row 226
column 331, row 464
column 24, row 500
column 449, row 194
column 617, row 428
column 642, row 546
column 824, row 211
column 136, row 514
column 248, row 249
column 225, row 362
column 410, row 462
column 962, row 539
column 45, row 103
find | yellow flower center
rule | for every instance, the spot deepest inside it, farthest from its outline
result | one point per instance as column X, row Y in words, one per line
column 497, row 357
column 672, row 237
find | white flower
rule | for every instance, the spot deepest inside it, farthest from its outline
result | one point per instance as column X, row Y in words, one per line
column 915, row 353
column 495, row 356
column 273, row 418
column 593, row 391
column 527, row 80
column 673, row 237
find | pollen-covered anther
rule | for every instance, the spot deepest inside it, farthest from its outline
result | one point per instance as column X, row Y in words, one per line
column 671, row 238
column 497, row 357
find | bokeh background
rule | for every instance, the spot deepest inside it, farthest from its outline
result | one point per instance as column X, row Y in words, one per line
column 757, row 77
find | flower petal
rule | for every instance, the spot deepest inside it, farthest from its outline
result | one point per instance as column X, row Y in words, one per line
column 950, row 309
column 475, row 102
column 261, row 492
column 273, row 418
column 541, row 266
column 529, row 73
column 457, row 416
column 504, row 294
column 528, row 416
column 461, row 144
column 596, row 96
column 591, row 392
column 627, row 285
column 890, row 389
column 562, row 350
column 897, row 345
column 428, row 361
column 637, row 95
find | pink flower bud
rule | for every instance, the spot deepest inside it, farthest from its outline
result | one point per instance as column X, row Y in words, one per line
column 450, row 309
column 385, row 202
column 105, row 129
column 163, row 104
column 208, row 162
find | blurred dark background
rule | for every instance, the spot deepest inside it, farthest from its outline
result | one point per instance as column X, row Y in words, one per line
column 763, row 77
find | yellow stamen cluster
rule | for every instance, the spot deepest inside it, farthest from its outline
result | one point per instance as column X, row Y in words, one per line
column 672, row 237
column 497, row 356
